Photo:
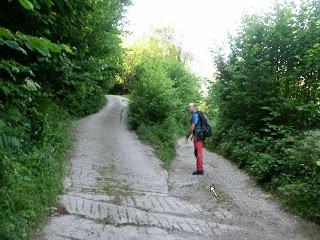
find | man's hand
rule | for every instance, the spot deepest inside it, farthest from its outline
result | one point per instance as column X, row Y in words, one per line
column 187, row 138
column 191, row 129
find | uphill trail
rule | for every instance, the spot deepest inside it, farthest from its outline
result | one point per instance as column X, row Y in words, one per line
column 118, row 189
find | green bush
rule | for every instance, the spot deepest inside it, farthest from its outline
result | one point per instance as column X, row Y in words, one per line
column 153, row 98
column 152, row 108
column 58, row 59
column 160, row 87
column 300, row 184
column 162, row 137
column 289, row 166
column 31, row 177
column 265, row 103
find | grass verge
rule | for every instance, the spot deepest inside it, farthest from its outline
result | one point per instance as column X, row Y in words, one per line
column 32, row 176
column 162, row 141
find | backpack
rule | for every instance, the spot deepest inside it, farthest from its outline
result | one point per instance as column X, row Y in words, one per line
column 206, row 128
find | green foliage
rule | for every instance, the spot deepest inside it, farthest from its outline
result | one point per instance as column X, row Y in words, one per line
column 31, row 177
column 5, row 140
column 58, row 58
column 162, row 137
column 153, row 97
column 265, row 103
column 161, row 86
column 22, row 42
column 26, row 4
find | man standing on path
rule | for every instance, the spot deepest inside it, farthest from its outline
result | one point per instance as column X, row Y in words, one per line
column 196, row 131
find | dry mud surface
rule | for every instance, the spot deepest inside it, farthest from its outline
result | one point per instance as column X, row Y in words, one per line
column 118, row 189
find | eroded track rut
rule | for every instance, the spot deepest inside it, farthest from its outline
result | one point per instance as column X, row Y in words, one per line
column 117, row 189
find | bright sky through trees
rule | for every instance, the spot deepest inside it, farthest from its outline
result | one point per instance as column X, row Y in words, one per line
column 202, row 23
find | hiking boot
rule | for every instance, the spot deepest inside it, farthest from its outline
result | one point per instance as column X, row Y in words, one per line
column 198, row 172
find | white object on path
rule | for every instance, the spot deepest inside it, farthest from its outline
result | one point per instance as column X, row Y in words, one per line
column 212, row 190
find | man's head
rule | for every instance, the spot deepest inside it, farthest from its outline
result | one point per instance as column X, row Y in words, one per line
column 192, row 107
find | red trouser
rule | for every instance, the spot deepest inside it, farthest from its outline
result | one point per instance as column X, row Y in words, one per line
column 198, row 153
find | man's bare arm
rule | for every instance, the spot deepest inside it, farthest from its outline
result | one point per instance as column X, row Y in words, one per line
column 190, row 130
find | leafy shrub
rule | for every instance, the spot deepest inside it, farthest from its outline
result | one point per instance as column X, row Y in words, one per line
column 161, row 86
column 153, row 98
column 162, row 137
column 265, row 103
column 152, row 106
column 302, row 197
column 57, row 58
column 31, row 177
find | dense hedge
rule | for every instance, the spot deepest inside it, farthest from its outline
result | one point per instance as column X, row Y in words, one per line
column 160, row 87
column 266, row 101
column 58, row 59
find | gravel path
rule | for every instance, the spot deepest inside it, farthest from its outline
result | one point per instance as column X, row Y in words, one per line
column 118, row 189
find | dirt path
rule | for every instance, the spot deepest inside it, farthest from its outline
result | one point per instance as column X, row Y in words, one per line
column 117, row 189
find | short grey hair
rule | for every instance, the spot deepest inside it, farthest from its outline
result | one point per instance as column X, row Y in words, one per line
column 192, row 105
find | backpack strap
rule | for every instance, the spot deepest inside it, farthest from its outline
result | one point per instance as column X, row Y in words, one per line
column 200, row 117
